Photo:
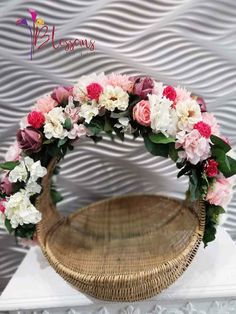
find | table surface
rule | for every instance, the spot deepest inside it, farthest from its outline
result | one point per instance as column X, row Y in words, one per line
column 35, row 284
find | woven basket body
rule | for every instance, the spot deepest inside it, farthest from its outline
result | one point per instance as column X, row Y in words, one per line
column 122, row 249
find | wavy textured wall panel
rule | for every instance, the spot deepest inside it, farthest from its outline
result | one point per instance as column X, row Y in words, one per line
column 185, row 42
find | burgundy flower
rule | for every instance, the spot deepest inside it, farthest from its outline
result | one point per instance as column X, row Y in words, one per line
column 29, row 139
column 211, row 168
column 142, row 86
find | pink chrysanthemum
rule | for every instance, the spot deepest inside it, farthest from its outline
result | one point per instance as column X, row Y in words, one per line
column 121, row 81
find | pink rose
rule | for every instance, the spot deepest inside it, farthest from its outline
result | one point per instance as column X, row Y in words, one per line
column 196, row 148
column 141, row 113
column 210, row 119
column 220, row 193
column 13, row 152
column 62, row 93
column 45, row 104
column 6, row 185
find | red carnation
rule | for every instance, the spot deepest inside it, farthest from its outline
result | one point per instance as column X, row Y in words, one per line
column 203, row 128
column 94, row 91
column 36, row 119
column 211, row 168
column 170, row 93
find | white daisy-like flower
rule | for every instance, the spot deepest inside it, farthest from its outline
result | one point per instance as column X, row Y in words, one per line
column 80, row 88
column 188, row 113
column 160, row 113
column 19, row 210
column 53, row 126
column 114, row 97
column 88, row 111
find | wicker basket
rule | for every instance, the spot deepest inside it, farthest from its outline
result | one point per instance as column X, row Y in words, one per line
column 122, row 249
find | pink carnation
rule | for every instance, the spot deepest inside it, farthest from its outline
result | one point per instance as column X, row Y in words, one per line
column 220, row 193
column 94, row 91
column 2, row 205
column 36, row 119
column 141, row 113
column 45, row 104
column 72, row 113
column 203, row 128
column 196, row 148
column 121, row 81
column 210, row 119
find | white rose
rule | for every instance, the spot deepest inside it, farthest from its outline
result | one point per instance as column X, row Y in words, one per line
column 188, row 113
column 88, row 112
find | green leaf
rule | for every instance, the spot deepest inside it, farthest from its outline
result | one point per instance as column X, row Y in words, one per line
column 61, row 142
column 156, row 149
column 161, row 138
column 119, row 134
column 107, row 125
column 9, row 165
column 173, row 152
column 8, row 225
column 47, row 142
column 227, row 165
column 95, row 138
column 25, row 231
column 96, row 126
column 67, row 124
column 56, row 196
column 209, row 234
column 218, row 142
column 193, row 186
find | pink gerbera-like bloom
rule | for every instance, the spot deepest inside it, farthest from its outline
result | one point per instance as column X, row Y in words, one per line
column 195, row 147
column 203, row 128
column 94, row 91
column 182, row 94
column 210, row 119
column 36, row 119
column 122, row 81
column 220, row 193
column 45, row 104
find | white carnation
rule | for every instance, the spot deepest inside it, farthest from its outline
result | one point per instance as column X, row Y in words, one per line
column 19, row 210
column 36, row 170
column 88, row 111
column 114, row 97
column 160, row 113
column 54, row 121
column 188, row 113
column 33, row 188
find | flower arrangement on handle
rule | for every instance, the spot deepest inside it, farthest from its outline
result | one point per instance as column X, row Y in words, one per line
column 172, row 122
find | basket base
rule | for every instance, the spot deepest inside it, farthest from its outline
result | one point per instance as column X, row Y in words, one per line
column 125, row 248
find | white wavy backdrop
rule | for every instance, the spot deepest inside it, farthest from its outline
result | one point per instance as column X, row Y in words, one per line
column 186, row 42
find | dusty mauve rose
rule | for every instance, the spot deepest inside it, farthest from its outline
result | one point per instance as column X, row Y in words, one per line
column 6, row 185
column 62, row 93
column 142, row 86
column 29, row 139
column 141, row 113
